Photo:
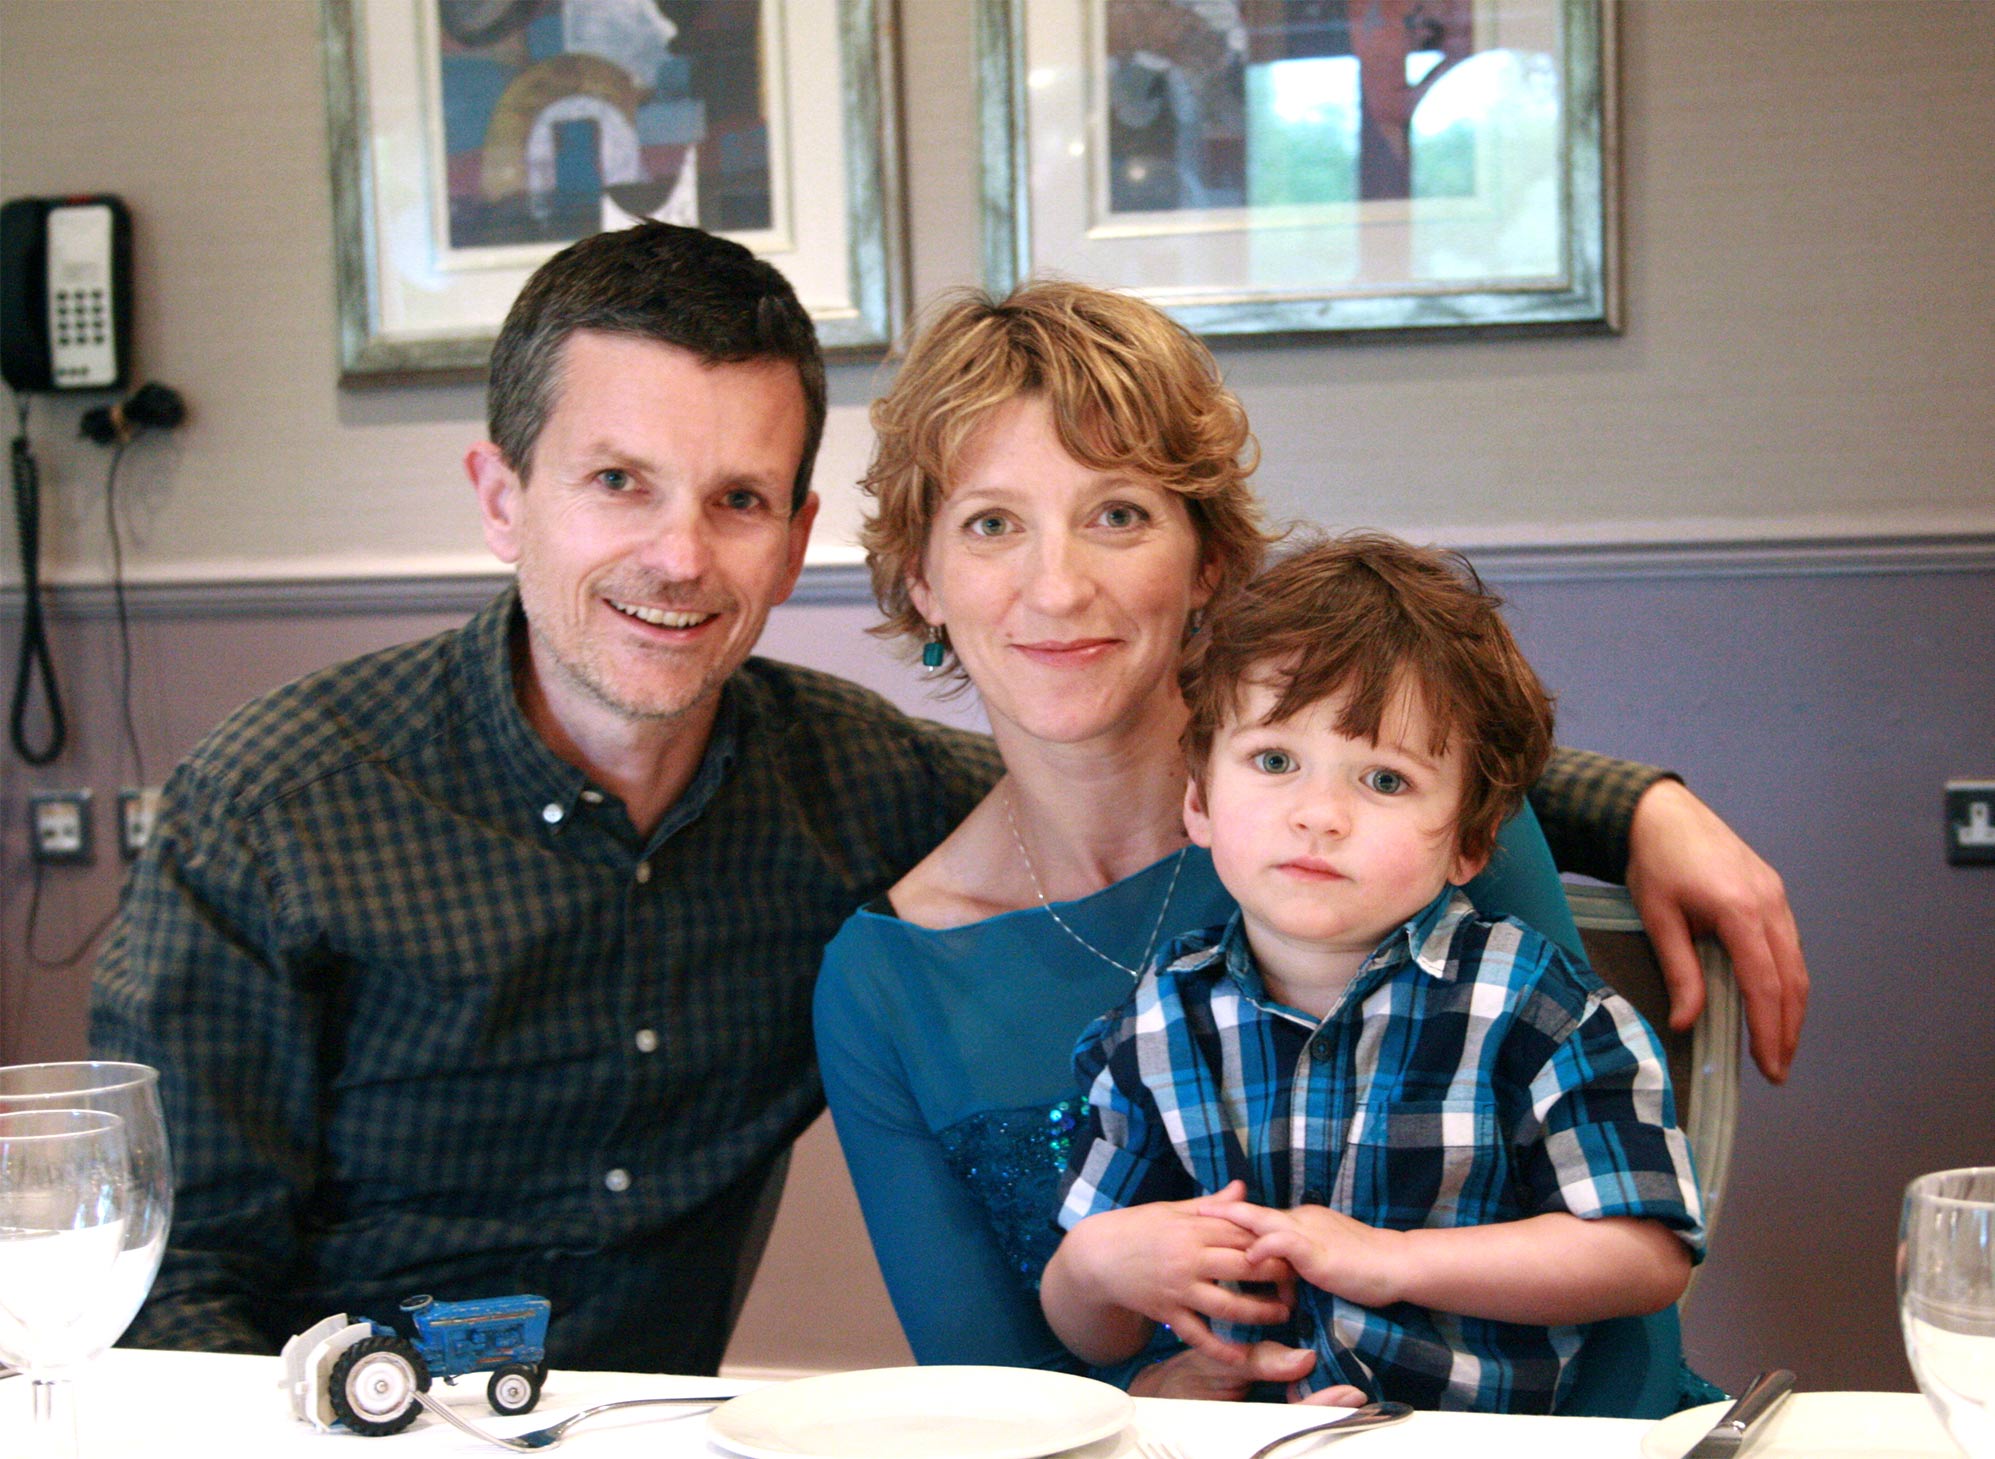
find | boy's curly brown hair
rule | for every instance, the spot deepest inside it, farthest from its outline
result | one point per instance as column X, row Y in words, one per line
column 1371, row 616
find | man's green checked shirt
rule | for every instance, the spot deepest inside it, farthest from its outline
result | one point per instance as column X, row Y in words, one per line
column 431, row 1016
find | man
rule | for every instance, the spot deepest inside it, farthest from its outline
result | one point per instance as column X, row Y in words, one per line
column 483, row 965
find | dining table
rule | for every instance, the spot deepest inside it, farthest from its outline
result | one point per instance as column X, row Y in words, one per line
column 139, row 1404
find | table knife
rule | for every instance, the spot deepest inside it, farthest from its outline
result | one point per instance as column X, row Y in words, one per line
column 1729, row 1435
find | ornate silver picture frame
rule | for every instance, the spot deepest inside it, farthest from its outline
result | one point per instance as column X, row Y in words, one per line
column 1356, row 167
column 472, row 139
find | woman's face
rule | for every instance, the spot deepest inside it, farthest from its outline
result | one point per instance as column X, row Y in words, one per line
column 1065, row 590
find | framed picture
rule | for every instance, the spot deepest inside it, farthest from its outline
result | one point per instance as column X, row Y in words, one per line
column 1265, row 166
column 472, row 139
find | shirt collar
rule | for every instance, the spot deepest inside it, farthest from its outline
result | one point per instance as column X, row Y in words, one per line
column 493, row 644
column 1426, row 936
column 487, row 663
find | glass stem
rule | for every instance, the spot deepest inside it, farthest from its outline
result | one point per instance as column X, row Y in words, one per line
column 52, row 1435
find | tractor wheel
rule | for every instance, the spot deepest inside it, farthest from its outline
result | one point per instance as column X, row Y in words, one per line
column 373, row 1385
column 515, row 1388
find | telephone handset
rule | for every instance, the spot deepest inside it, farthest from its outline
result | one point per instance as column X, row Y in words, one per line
column 65, row 293
column 65, row 325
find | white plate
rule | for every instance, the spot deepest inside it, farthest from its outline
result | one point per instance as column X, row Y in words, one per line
column 921, row 1413
column 1873, row 1425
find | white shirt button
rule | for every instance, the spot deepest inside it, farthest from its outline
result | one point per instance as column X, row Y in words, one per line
column 646, row 1041
column 593, row 797
column 552, row 813
column 643, row 872
column 618, row 1180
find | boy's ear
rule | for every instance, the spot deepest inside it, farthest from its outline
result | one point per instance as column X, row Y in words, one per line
column 1467, row 868
column 1198, row 825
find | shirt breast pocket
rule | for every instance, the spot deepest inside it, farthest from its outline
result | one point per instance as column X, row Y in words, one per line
column 1423, row 1163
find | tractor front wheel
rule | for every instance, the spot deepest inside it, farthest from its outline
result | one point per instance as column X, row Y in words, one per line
column 373, row 1385
column 515, row 1388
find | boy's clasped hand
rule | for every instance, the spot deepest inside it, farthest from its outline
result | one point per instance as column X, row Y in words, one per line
column 1188, row 1264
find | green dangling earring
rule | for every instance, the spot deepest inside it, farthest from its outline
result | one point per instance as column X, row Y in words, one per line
column 931, row 652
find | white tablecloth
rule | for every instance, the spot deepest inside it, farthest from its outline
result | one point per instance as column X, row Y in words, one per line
column 145, row 1405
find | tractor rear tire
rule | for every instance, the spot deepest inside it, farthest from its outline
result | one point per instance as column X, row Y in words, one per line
column 373, row 1385
column 515, row 1388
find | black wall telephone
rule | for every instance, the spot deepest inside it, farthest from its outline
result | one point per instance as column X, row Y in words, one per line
column 65, row 325
column 65, row 293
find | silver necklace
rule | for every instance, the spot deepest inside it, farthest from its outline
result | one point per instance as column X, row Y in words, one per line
column 1178, row 865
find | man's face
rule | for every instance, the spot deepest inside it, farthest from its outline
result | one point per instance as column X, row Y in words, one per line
column 654, row 533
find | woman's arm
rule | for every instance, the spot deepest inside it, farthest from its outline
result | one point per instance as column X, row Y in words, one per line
column 957, row 1298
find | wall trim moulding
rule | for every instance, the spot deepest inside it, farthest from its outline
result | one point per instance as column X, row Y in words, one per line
column 1793, row 557
column 353, row 594
column 848, row 584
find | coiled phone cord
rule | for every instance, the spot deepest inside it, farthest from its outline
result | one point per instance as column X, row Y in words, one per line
column 35, row 656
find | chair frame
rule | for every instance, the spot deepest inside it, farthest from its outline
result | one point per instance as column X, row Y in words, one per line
column 1708, row 1107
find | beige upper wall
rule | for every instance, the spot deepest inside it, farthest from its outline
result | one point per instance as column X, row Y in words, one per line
column 1809, row 253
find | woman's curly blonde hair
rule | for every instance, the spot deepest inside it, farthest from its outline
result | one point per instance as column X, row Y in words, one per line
column 1129, row 390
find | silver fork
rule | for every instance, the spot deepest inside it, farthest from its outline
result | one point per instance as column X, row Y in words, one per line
column 554, row 1433
column 1152, row 1448
column 1371, row 1416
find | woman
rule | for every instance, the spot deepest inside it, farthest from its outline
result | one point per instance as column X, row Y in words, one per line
column 1061, row 487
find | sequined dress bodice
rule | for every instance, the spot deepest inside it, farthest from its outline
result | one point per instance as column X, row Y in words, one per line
column 1012, row 1161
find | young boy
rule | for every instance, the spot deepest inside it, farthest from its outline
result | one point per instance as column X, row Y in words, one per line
column 1456, row 1138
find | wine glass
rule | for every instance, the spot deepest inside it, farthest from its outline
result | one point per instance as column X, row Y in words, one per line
column 65, row 1191
column 1946, row 1299
column 130, row 1092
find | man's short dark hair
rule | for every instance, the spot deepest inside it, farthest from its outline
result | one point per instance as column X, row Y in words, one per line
column 678, row 286
column 1370, row 616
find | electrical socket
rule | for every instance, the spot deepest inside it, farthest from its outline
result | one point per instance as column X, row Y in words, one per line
column 59, row 827
column 1970, row 821
column 136, row 810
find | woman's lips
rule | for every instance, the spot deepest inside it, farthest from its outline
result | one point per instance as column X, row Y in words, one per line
column 1068, row 651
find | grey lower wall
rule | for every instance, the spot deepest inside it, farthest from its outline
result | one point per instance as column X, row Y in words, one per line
column 1821, row 716
column 1819, row 707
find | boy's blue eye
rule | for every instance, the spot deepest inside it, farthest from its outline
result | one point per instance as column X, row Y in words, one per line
column 990, row 524
column 1387, row 782
column 1274, row 762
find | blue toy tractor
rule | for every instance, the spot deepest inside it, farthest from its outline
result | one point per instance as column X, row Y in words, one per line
column 366, row 1376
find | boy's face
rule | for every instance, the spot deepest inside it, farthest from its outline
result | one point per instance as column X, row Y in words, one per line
column 1328, row 843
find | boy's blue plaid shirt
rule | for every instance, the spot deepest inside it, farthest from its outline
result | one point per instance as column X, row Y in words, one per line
column 1472, row 1073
